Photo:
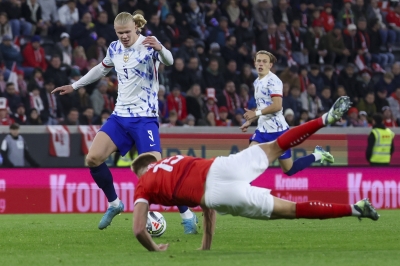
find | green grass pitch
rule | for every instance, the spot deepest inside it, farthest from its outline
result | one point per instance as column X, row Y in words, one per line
column 73, row 239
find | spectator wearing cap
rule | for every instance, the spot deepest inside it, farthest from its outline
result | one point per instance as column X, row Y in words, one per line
column 289, row 117
column 195, row 103
column 180, row 75
column 348, row 79
column 380, row 146
column 351, row 41
column 13, row 99
column 83, row 33
column 176, row 101
column 394, row 103
column 328, row 20
column 31, row 11
column 174, row 32
column 211, row 104
column 34, row 56
column 346, row 15
column 18, row 25
column 20, row 115
column 190, row 121
column 383, row 58
column 63, row 49
column 195, row 19
column 364, row 119
column 352, row 118
column 5, row 26
column 52, row 113
column 316, row 44
column 187, row 50
column 212, row 76
column 10, row 53
column 336, row 45
column 219, row 33
column 222, row 120
column 388, row 119
column 367, row 104
column 229, row 98
column 299, row 52
column 68, row 14
column 57, row 71
column 14, row 150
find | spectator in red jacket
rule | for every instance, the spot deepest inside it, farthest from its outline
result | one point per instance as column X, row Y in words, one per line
column 175, row 101
column 327, row 18
column 34, row 55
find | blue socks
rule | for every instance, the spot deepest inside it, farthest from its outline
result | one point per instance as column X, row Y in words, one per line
column 182, row 209
column 103, row 178
column 301, row 164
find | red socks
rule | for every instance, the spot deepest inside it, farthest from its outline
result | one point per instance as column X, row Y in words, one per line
column 297, row 135
column 321, row 210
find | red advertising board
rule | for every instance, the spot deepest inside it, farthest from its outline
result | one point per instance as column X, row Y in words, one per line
column 73, row 190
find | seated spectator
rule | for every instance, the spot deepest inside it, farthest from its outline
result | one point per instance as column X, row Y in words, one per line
column 244, row 96
column 303, row 77
column 289, row 117
column 268, row 39
column 154, row 28
column 190, row 121
column 213, row 53
column 105, row 114
column 388, row 36
column 230, row 51
column 303, row 118
column 5, row 26
column 352, row 118
column 394, row 103
column 5, row 119
column 382, row 58
column 367, row 104
column 72, row 118
column 195, row 71
column 195, row 103
column 339, row 92
column 176, row 102
column 219, row 32
column 330, row 77
column 163, row 77
column 68, row 14
column 53, row 109
column 104, row 29
column 34, row 118
column 364, row 84
column 290, row 75
column 364, row 119
column 386, row 82
column 18, row 25
column 381, row 99
column 81, row 99
column 316, row 44
column 34, row 56
column 175, row 33
column 20, row 115
column 328, row 20
column 63, row 49
column 87, row 117
column 337, row 47
column 31, row 12
column 346, row 15
column 213, row 77
column 22, row 86
column 293, row 101
column 79, row 58
column 162, row 105
column 388, row 118
column 299, row 53
column 247, row 77
column 195, row 20
column 180, row 75
column 2, row 84
column 57, row 72
column 98, row 50
column 112, row 8
column 36, row 80
column 13, row 99
column 229, row 99
column 100, row 98
column 222, row 120
column 238, row 120
column 172, row 120
column 348, row 79
column 316, row 78
column 10, row 52
column 244, row 32
column 35, row 101
column 326, row 99
column 84, row 33
column 210, row 106
column 311, row 102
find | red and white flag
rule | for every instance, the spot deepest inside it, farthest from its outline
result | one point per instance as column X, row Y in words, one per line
column 59, row 141
column 360, row 62
column 88, row 133
column 13, row 78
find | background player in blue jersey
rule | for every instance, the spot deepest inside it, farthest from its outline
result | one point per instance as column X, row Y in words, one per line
column 271, row 122
column 134, row 121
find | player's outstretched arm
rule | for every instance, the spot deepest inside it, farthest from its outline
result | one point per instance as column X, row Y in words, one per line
column 93, row 75
column 208, row 227
column 139, row 228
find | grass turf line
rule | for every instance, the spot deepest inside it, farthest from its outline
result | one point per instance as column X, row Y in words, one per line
column 73, row 239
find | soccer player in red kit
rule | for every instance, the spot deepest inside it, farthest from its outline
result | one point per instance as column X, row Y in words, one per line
column 223, row 184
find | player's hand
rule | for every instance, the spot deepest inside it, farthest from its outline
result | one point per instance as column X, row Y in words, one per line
column 63, row 89
column 249, row 114
column 163, row 247
column 150, row 41
column 245, row 126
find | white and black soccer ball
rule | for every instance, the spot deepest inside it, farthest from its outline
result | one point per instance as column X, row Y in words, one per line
column 156, row 224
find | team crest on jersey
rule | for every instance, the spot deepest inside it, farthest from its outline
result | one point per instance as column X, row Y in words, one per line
column 126, row 57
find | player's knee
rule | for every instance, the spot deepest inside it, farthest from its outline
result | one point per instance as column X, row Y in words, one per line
column 93, row 160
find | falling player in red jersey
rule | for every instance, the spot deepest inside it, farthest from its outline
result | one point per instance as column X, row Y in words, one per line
column 223, row 184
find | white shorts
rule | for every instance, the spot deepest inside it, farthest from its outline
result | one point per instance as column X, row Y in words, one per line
column 228, row 189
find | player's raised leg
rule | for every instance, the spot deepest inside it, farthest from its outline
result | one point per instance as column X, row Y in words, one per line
column 101, row 148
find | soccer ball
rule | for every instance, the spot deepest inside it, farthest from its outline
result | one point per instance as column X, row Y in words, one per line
column 156, row 224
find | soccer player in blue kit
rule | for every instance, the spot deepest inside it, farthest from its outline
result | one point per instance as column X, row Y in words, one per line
column 134, row 121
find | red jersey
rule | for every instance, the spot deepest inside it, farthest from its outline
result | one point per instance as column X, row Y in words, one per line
column 174, row 181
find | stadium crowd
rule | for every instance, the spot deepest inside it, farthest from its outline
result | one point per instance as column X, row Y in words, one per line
column 325, row 49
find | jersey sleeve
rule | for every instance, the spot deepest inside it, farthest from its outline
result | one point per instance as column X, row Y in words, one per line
column 276, row 88
column 140, row 194
column 107, row 61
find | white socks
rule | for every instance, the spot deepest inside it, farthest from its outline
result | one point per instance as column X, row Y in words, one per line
column 317, row 156
column 354, row 212
column 187, row 214
column 114, row 203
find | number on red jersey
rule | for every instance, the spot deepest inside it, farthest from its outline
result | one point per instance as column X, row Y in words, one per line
column 168, row 163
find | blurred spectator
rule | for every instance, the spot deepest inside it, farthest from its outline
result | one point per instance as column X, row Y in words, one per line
column 105, row 114
column 303, row 118
column 244, row 32
column 327, row 18
column 360, row 9
column 396, row 74
column 316, row 44
column 172, row 120
column 339, row 92
column 268, row 39
column 229, row 99
column 383, row 58
column 13, row 99
column 195, row 19
column 229, row 51
column 10, row 53
column 353, row 120
column 388, row 119
column 190, row 121
column 393, row 20
column 14, row 150
column 68, row 14
column 34, row 118
column 214, row 53
column 326, row 99
column 330, row 78
column 284, row 46
column 2, row 84
column 299, row 53
column 81, row 99
column 156, row 29
column 210, row 105
column 289, row 117
column 129, row 6
column 5, row 26
column 222, row 120
column 20, row 115
column 348, row 79
column 212, row 13
column 231, row 73
column 18, row 25
column 245, row 56
column 247, row 77
column 346, row 15
column 5, row 119
column 210, row 119
column 112, row 9
column 386, row 83
column 82, row 6
column 95, row 10
column 34, row 55
column 22, row 86
column 98, row 50
column 177, row 102
column 36, row 80
column 179, row 14
column 72, row 118
column 163, row 77
column 100, row 99
column 87, row 117
column 304, row 14
column 180, row 75
column 53, row 110
column 364, row 84
column 367, row 104
column 83, row 33
column 364, row 119
column 35, row 101
column 293, row 101
column 195, row 72
column 283, row 12
column 238, row 120
column 263, row 16
column 303, row 77
column 213, row 77
column 219, row 32
column 232, row 11
column 187, row 50
column 104, row 29
column 311, row 102
column 162, row 104
column 388, row 36
column 79, row 58
column 195, row 103
column 351, row 41
column 58, row 72
column 244, row 96
column 315, row 77
column 336, row 46
column 175, row 33
column 63, row 49
column 50, row 17
column 394, row 103
column 31, row 12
